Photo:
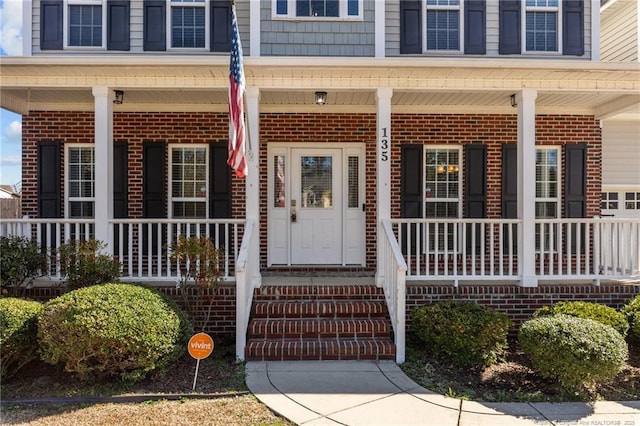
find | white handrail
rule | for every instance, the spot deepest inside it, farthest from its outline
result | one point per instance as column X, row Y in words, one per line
column 244, row 289
column 392, row 273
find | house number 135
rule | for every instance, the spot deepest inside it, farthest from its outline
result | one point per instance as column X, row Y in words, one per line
column 384, row 145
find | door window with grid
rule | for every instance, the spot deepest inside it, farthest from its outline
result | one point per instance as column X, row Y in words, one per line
column 189, row 186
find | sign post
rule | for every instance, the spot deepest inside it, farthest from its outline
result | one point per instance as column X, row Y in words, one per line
column 200, row 346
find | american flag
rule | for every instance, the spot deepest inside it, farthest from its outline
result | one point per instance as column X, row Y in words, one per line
column 237, row 159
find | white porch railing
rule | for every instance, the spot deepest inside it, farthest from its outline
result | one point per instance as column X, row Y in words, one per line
column 392, row 273
column 486, row 249
column 49, row 234
column 246, row 268
column 143, row 246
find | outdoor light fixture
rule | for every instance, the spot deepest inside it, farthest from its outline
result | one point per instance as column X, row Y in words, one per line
column 119, row 97
column 321, row 98
column 513, row 101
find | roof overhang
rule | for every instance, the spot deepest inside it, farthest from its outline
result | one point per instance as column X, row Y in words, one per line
column 287, row 84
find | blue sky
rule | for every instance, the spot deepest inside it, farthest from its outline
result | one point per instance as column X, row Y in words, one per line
column 10, row 123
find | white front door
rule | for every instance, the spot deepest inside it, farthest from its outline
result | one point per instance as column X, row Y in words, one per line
column 316, row 206
column 316, row 211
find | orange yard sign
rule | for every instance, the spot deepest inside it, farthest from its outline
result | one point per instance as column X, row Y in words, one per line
column 200, row 346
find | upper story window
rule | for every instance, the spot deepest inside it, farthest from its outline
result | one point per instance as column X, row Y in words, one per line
column 80, row 181
column 189, row 21
column 317, row 8
column 85, row 23
column 542, row 25
column 443, row 24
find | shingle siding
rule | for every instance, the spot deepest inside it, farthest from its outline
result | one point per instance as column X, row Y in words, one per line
column 290, row 37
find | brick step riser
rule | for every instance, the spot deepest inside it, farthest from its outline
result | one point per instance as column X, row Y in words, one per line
column 319, row 350
column 318, row 310
column 306, row 329
column 318, row 293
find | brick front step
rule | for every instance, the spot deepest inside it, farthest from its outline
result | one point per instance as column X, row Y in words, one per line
column 320, row 350
column 318, row 327
column 319, row 322
column 320, row 308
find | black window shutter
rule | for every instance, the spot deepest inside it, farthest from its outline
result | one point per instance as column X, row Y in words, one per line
column 411, row 181
column 49, row 175
column 120, row 173
column 220, row 26
column 51, row 24
column 475, row 27
column 475, row 182
column 118, row 25
column 573, row 27
column 575, row 180
column 410, row 26
column 120, row 194
column 154, row 16
column 509, row 181
column 509, row 27
column 219, row 181
column 154, row 180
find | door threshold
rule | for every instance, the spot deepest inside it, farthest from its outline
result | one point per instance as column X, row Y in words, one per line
column 277, row 280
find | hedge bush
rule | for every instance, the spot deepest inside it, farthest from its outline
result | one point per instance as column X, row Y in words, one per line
column 574, row 351
column 468, row 334
column 84, row 264
column 587, row 310
column 631, row 310
column 22, row 261
column 18, row 331
column 111, row 330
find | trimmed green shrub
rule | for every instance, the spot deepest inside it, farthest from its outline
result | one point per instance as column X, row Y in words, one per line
column 631, row 310
column 574, row 351
column 18, row 331
column 111, row 330
column 22, row 261
column 84, row 264
column 468, row 334
column 588, row 310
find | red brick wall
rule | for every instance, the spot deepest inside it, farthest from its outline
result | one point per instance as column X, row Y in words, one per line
column 494, row 130
column 517, row 302
column 315, row 129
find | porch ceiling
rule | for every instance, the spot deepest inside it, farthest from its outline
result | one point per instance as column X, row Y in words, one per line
column 288, row 84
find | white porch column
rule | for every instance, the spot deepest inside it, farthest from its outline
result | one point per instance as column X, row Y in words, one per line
column 103, row 125
column 383, row 165
column 526, row 100
column 252, row 181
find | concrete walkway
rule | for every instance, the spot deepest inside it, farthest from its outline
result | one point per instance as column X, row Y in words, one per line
column 379, row 393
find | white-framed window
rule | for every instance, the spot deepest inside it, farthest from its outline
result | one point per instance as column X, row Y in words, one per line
column 188, row 177
column 188, row 24
column 542, row 25
column 547, row 204
column 442, row 25
column 85, row 24
column 318, row 9
column 80, row 181
column 547, row 182
column 442, row 192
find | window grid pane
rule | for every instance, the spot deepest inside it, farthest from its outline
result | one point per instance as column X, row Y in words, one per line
column 609, row 201
column 326, row 8
column 541, row 31
column 188, row 27
column 632, row 200
column 189, row 186
column 81, row 182
column 442, row 30
column 85, row 26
